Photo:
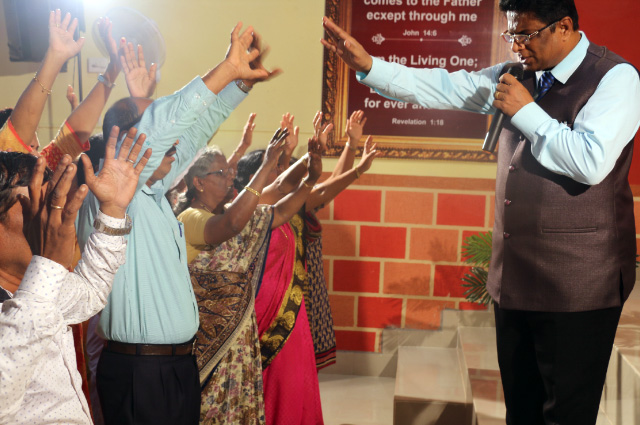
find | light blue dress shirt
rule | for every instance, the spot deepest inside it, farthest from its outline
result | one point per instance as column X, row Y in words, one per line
column 586, row 153
column 152, row 301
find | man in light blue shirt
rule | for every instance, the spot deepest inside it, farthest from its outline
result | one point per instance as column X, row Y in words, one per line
column 563, row 259
column 147, row 373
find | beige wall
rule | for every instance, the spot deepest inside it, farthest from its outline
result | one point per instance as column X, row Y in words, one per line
column 196, row 33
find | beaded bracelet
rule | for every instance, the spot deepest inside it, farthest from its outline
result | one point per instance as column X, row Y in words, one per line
column 44, row 89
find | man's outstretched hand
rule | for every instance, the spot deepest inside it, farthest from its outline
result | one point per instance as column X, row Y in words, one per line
column 345, row 46
column 116, row 183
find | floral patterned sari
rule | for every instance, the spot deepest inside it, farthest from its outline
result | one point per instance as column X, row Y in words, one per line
column 224, row 279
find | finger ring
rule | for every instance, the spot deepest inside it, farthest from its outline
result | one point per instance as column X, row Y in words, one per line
column 56, row 207
column 131, row 161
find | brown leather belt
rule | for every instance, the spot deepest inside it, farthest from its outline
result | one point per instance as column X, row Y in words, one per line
column 151, row 349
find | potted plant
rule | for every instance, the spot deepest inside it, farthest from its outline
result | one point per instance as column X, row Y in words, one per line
column 476, row 250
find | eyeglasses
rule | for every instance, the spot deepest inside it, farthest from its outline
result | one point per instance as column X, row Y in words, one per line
column 523, row 38
column 220, row 173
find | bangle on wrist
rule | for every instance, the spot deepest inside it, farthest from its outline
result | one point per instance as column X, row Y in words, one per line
column 242, row 86
column 108, row 84
column 44, row 89
column 252, row 190
column 358, row 174
column 350, row 147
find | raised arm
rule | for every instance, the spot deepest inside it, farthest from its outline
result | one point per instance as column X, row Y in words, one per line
column 84, row 118
column 140, row 82
column 222, row 227
column 354, row 130
column 194, row 113
column 245, row 141
column 345, row 46
column 288, row 206
column 290, row 143
column 285, row 183
column 62, row 47
column 326, row 191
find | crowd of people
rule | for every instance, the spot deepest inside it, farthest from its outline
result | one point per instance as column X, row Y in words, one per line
column 189, row 286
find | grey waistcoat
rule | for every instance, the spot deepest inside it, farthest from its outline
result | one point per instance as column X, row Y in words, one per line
column 560, row 245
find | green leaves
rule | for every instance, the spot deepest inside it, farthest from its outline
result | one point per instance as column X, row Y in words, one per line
column 476, row 250
column 477, row 284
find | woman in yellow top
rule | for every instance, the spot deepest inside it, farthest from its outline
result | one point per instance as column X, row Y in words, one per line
column 226, row 246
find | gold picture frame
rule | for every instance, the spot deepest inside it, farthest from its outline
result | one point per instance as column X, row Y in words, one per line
column 335, row 89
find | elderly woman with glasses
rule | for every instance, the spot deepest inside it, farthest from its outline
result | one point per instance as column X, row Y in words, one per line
column 226, row 247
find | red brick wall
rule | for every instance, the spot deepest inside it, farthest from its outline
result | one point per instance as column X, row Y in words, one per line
column 392, row 252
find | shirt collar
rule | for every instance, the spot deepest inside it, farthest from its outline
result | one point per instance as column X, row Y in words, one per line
column 4, row 295
column 565, row 69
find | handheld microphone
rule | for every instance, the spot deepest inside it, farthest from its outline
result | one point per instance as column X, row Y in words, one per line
column 491, row 140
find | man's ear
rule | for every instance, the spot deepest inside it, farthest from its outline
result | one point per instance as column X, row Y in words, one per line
column 565, row 26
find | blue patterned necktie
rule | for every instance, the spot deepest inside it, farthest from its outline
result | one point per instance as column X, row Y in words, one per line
column 546, row 81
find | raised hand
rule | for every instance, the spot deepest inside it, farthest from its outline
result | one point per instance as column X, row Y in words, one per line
column 368, row 155
column 48, row 215
column 116, row 184
column 321, row 133
column 242, row 54
column 140, row 82
column 354, row 128
column 104, row 28
column 314, row 164
column 61, row 42
column 247, row 133
column 72, row 97
column 345, row 46
column 275, row 147
column 292, row 138
column 257, row 63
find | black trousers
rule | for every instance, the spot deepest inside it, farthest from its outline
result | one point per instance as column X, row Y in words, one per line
column 554, row 365
column 152, row 390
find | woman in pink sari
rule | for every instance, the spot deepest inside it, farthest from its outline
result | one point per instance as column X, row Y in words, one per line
column 290, row 380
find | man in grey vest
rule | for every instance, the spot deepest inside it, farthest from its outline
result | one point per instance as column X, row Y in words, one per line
column 564, row 248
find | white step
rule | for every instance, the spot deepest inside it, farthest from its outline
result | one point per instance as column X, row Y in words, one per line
column 430, row 388
column 480, row 362
column 356, row 400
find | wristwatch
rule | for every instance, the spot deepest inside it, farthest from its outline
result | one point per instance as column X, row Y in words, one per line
column 242, row 86
column 99, row 226
column 106, row 82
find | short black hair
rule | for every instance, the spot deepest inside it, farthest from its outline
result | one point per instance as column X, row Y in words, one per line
column 124, row 113
column 248, row 166
column 546, row 11
column 95, row 153
column 16, row 169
